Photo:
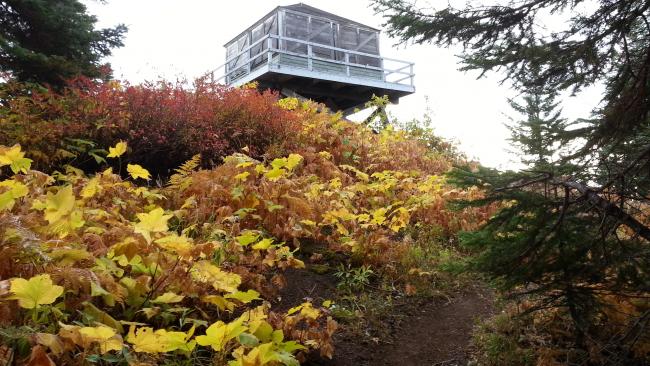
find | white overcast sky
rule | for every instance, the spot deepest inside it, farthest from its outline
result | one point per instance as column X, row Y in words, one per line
column 184, row 38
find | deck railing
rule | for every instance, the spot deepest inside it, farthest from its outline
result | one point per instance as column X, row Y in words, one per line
column 281, row 51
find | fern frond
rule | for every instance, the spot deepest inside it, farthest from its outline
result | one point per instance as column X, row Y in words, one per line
column 181, row 179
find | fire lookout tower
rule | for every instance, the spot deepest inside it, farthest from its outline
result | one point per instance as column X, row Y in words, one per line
column 306, row 52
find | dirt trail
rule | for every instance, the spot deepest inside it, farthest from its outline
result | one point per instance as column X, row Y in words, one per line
column 433, row 334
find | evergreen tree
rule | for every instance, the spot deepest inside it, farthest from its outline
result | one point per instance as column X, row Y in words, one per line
column 49, row 41
column 535, row 136
column 573, row 233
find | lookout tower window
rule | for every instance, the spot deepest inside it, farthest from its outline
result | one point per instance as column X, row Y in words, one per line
column 296, row 26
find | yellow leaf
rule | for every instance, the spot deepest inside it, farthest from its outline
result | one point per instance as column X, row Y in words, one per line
column 279, row 163
column 154, row 221
column 263, row 244
column 16, row 190
column 59, row 205
column 219, row 301
column 305, row 309
column 400, row 219
column 219, row 334
column 180, row 245
column 168, row 298
column 15, row 158
column 117, row 151
column 136, row 171
column 244, row 297
column 205, row 271
column 160, row 341
column 263, row 354
column 69, row 256
column 242, row 176
column 85, row 337
column 293, row 160
column 379, row 216
column 247, row 238
column 91, row 188
column 245, row 164
column 275, row 174
column 38, row 290
column 325, row 155
column 308, row 222
column 51, row 341
column 259, row 168
column 102, row 335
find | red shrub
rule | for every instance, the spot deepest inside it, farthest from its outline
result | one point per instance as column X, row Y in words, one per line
column 163, row 123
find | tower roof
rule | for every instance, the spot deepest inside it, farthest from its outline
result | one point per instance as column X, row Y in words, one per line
column 306, row 9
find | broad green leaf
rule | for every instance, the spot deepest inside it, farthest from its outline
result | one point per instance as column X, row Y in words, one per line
column 247, row 238
column 38, row 290
column 248, row 340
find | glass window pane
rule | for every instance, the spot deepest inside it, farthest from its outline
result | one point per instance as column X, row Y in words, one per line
column 296, row 26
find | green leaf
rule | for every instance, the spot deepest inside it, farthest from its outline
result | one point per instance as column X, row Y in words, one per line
column 248, row 340
column 247, row 238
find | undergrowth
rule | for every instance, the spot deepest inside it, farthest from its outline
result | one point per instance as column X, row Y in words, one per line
column 106, row 266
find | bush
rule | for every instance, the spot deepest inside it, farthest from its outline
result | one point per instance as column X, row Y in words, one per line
column 163, row 123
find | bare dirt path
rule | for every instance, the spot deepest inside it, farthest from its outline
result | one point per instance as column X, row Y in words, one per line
column 432, row 334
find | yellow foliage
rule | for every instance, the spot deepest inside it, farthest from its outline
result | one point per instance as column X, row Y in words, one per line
column 219, row 334
column 38, row 290
column 147, row 340
column 118, row 150
column 136, row 171
column 15, row 158
column 154, row 221
column 204, row 271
